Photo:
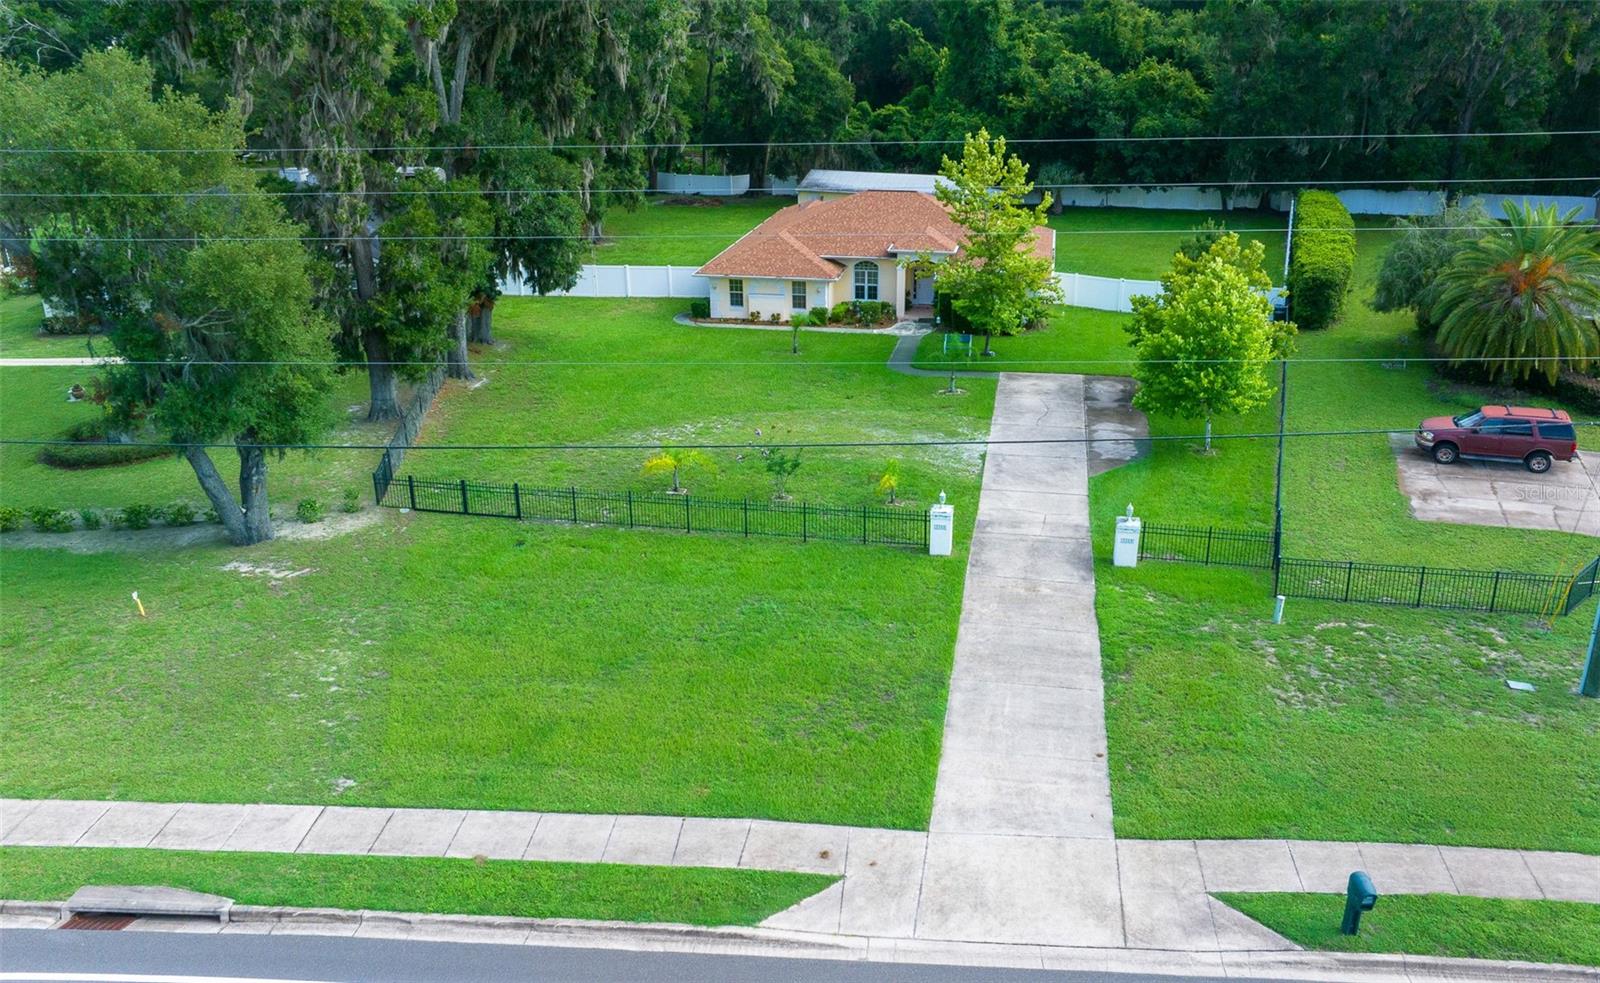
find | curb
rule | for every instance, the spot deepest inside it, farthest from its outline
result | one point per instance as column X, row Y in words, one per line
column 665, row 937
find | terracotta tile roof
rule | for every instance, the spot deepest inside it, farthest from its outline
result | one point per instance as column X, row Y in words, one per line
column 803, row 241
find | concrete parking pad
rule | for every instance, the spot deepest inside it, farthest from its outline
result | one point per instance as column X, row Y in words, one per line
column 1494, row 493
column 493, row 835
column 129, row 824
column 418, row 832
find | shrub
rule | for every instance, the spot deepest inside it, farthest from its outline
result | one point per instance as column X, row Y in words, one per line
column 875, row 311
column 351, row 502
column 47, row 519
column 308, row 510
column 775, row 318
column 841, row 313
column 10, row 518
column 212, row 515
column 179, row 514
column 818, row 316
column 1581, row 391
column 699, row 308
column 755, row 315
column 138, row 516
column 93, row 447
column 91, row 519
column 1322, row 261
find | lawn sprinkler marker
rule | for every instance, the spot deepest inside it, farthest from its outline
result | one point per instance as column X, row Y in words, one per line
column 139, row 604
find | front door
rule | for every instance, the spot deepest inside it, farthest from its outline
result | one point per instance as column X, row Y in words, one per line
column 922, row 292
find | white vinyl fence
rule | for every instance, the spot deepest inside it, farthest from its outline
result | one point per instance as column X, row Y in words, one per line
column 1104, row 293
column 723, row 185
column 1360, row 201
column 623, row 281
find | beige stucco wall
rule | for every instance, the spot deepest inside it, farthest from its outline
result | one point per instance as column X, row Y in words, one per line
column 765, row 296
column 891, row 285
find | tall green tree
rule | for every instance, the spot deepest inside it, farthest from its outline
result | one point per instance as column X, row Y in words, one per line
column 1524, row 300
column 199, row 279
column 1205, row 344
column 1408, row 278
column 995, row 281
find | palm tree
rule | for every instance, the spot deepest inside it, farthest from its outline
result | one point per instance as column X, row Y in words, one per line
column 1525, row 297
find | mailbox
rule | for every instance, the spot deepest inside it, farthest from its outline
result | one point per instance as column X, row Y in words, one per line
column 1126, row 551
column 1359, row 896
column 941, row 528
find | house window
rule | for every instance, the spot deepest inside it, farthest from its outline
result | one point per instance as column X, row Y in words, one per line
column 735, row 293
column 797, row 295
column 866, row 280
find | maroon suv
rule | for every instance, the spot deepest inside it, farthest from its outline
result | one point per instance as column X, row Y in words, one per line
column 1502, row 433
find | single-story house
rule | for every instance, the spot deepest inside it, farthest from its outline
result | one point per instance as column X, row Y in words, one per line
column 824, row 252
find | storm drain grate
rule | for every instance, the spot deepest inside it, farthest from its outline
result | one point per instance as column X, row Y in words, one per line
column 99, row 923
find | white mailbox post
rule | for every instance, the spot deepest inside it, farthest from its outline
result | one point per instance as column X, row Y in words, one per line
column 941, row 528
column 1126, row 551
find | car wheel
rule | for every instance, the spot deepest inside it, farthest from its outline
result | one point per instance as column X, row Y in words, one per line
column 1445, row 453
column 1538, row 462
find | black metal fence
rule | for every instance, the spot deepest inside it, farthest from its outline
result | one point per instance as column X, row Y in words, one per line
column 1509, row 591
column 657, row 510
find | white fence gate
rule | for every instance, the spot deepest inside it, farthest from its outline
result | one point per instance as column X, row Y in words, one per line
column 623, row 281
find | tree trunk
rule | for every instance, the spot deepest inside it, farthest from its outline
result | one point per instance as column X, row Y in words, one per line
column 480, row 328
column 456, row 358
column 245, row 526
column 384, row 401
column 253, row 494
column 988, row 336
column 1208, row 435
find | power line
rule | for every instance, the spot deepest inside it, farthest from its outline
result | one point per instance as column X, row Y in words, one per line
column 1276, row 229
column 780, row 359
column 738, row 446
column 739, row 144
column 775, row 191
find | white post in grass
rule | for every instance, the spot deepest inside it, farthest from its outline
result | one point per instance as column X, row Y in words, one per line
column 941, row 528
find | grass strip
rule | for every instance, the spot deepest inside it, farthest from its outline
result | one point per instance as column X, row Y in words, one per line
column 1436, row 925
column 528, row 889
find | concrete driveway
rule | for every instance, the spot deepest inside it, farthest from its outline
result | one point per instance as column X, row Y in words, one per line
column 1492, row 493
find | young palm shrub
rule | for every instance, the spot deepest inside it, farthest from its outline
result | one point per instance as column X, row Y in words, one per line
column 889, row 480
column 674, row 461
column 1525, row 299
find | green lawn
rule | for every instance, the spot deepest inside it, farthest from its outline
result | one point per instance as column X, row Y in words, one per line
column 621, row 372
column 1436, row 925
column 447, row 661
column 681, row 235
column 21, row 316
column 1138, row 243
column 527, row 889
column 33, row 405
column 1347, row 722
column 1079, row 340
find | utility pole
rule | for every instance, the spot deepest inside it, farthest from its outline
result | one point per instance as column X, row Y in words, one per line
column 1277, row 495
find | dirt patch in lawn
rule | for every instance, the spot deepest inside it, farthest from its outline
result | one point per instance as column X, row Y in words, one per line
column 178, row 537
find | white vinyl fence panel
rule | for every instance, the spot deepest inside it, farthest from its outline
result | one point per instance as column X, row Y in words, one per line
column 1495, row 204
column 703, row 184
column 1104, row 293
column 623, row 281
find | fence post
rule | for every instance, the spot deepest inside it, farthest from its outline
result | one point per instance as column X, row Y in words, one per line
column 377, row 493
column 411, row 482
column 863, row 525
column 747, row 516
column 804, row 535
column 1494, row 591
column 1349, row 572
column 1210, row 531
column 572, row 491
column 1422, row 578
column 630, row 508
column 466, row 509
column 687, row 525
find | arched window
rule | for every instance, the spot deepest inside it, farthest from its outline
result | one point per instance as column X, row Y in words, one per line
column 866, row 280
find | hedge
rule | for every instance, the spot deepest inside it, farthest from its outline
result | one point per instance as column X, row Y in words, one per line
column 1322, row 259
column 92, row 447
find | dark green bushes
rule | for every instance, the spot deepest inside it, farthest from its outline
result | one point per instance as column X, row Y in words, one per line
column 93, row 447
column 1322, row 259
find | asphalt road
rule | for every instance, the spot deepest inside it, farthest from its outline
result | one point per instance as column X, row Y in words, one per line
column 95, row 956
